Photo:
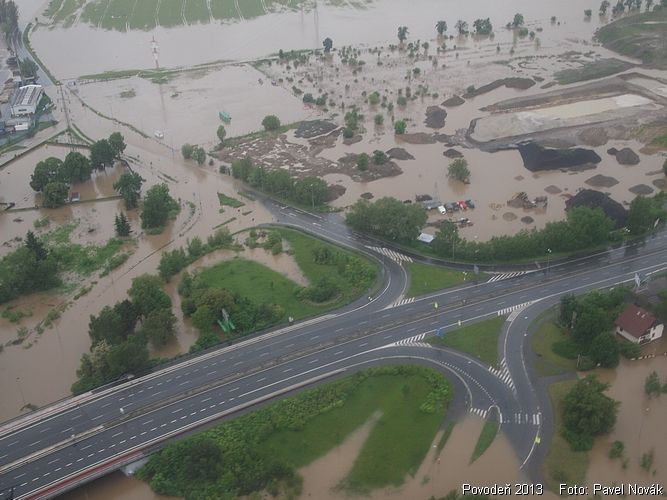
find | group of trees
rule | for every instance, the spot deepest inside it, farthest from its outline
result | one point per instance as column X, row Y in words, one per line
column 587, row 413
column 645, row 212
column 9, row 20
column 197, row 153
column 271, row 123
column 52, row 177
column 589, row 321
column 621, row 5
column 363, row 159
column 458, row 169
column 483, row 26
column 120, row 334
column 158, row 207
column 29, row 268
column 311, row 191
column 128, row 186
column 171, row 262
column 388, row 218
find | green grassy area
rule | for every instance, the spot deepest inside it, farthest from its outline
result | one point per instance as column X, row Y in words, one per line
column 445, row 436
column 548, row 362
column 94, row 11
column 640, row 36
column 169, row 13
column 143, row 16
column 53, row 7
column 661, row 141
column 259, row 284
column 224, row 9
column 229, row 201
column 426, row 279
column 196, row 11
column 591, row 71
column 562, row 465
column 485, row 439
column 302, row 247
column 68, row 8
column 251, row 8
column 478, row 339
column 118, row 14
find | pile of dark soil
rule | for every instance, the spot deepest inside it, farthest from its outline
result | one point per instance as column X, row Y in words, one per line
column 435, row 117
column 601, row 181
column 453, row 101
column 335, row 191
column 399, row 154
column 596, row 199
column 641, row 189
column 627, row 156
column 510, row 83
column 453, row 153
column 367, row 196
column 536, row 157
column 418, row 138
column 313, row 128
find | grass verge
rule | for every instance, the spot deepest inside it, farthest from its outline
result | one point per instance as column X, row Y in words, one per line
column 549, row 363
column 426, row 279
column 485, row 439
column 229, row 201
column 562, row 465
column 478, row 339
column 444, row 438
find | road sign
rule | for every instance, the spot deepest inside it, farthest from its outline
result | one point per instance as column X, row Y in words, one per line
column 440, row 333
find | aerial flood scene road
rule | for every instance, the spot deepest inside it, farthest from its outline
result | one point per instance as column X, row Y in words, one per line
column 333, row 249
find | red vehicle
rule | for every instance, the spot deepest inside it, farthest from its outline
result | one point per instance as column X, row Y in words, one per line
column 463, row 205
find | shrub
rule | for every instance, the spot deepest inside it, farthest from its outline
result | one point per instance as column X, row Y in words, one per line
column 271, row 122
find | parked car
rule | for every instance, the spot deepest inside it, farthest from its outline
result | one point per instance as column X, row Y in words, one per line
column 470, row 204
column 463, row 205
column 455, row 207
column 449, row 207
column 442, row 210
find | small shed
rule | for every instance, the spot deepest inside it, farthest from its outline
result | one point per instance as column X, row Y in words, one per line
column 638, row 325
column 425, row 238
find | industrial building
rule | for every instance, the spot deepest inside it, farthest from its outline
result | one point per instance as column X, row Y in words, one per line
column 26, row 100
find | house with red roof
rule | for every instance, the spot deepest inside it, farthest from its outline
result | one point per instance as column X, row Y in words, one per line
column 638, row 325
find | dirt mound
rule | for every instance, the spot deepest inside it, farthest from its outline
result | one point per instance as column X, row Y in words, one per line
column 418, row 138
column 367, row 196
column 313, row 128
column 553, row 189
column 348, row 166
column 527, row 219
column 627, row 156
column 536, row 157
column 510, row 83
column 326, row 141
column 423, row 197
column 596, row 199
column 435, row 117
column 612, row 151
column 509, row 216
column 352, row 140
column 453, row 101
column 601, row 181
column 399, row 154
column 453, row 153
column 335, row 191
column 660, row 183
column 641, row 189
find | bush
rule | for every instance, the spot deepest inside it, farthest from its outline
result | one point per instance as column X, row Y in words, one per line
column 401, row 101
column 374, row 99
column 400, row 127
column 378, row 119
column 362, row 162
column 380, row 157
column 616, row 451
column 270, row 123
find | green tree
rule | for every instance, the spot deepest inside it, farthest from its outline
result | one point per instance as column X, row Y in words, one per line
column 117, row 143
column 402, row 33
column 75, row 168
column 362, row 162
column 604, row 5
column 199, row 154
column 483, row 26
column 241, row 168
column 588, row 13
column 441, row 27
column 664, row 167
column 568, row 305
column 28, row 68
column 46, row 171
column 128, row 186
column 113, row 325
column 374, row 98
column 221, row 133
column 159, row 326
column 380, row 157
column 400, row 126
column 604, row 350
column 147, row 294
column 518, row 21
column 388, row 218
column 643, row 214
column 446, row 239
column 204, row 318
column 271, row 122
column 35, row 246
column 55, row 194
column 311, row 191
column 458, row 169
column 587, row 413
column 122, row 225
column 204, row 459
column 171, row 263
column 461, row 26
column 378, row 119
column 187, row 150
column 652, row 386
column 328, row 45
column 23, row 271
column 101, row 154
column 158, row 205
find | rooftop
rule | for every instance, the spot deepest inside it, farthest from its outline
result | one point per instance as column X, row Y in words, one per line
column 635, row 320
column 27, row 95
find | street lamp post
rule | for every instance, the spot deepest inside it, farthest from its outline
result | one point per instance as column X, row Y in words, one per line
column 548, row 258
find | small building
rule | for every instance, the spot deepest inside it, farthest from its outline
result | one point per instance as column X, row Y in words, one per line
column 18, row 124
column 638, row 325
column 26, row 99
column 431, row 205
column 425, row 238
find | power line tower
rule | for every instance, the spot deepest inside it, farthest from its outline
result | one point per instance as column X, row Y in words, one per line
column 155, row 48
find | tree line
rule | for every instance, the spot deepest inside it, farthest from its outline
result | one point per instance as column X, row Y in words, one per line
column 311, row 191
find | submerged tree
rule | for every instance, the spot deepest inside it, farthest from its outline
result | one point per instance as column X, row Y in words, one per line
column 402, row 33
column 518, row 21
column 129, row 187
column 441, row 27
column 604, row 5
column 461, row 26
column 122, row 225
column 328, row 45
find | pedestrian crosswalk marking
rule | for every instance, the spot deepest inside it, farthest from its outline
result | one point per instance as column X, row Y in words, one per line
column 479, row 412
column 395, row 256
column 414, row 341
column 503, row 373
column 401, row 302
column 506, row 276
column 523, row 418
column 511, row 309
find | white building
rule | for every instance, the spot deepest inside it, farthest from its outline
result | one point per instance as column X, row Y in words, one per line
column 26, row 99
column 638, row 326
